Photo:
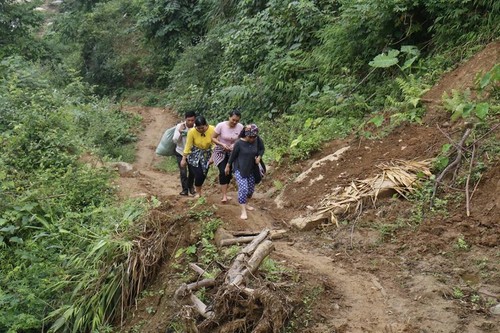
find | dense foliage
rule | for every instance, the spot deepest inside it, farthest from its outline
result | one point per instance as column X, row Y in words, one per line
column 54, row 209
column 310, row 59
column 18, row 23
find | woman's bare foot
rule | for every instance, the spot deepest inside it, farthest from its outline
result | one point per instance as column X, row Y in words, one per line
column 243, row 212
column 250, row 208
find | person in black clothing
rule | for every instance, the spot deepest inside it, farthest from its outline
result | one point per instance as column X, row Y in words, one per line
column 246, row 158
column 180, row 137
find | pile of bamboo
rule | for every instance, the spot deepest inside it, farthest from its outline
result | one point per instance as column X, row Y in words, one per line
column 401, row 176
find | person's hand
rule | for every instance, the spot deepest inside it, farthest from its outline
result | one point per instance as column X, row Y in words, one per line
column 183, row 127
column 227, row 169
column 210, row 161
column 226, row 147
column 183, row 162
column 257, row 159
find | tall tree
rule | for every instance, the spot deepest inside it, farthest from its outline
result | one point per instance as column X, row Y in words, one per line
column 18, row 20
column 172, row 25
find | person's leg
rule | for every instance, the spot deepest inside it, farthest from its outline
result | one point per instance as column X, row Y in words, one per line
column 191, row 182
column 199, row 178
column 242, row 193
column 251, row 189
column 224, row 179
column 183, row 174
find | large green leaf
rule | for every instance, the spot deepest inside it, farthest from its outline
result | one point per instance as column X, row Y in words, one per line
column 385, row 60
column 482, row 110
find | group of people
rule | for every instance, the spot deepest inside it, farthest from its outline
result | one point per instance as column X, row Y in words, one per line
column 232, row 147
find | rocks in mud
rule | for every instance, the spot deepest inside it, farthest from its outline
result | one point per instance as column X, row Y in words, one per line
column 495, row 309
column 123, row 168
column 310, row 222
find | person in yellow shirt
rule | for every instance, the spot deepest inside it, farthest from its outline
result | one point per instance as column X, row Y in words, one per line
column 198, row 151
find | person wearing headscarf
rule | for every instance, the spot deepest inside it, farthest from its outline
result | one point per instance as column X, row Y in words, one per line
column 197, row 153
column 225, row 136
column 245, row 159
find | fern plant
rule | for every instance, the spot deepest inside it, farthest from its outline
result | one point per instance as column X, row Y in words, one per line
column 408, row 108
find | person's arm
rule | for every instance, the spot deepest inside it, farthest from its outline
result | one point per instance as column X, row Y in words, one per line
column 187, row 148
column 260, row 150
column 211, row 131
column 215, row 136
column 178, row 132
column 216, row 141
column 233, row 156
column 260, row 147
column 189, row 142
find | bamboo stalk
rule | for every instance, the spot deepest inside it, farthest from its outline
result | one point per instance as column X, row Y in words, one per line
column 197, row 269
column 467, row 194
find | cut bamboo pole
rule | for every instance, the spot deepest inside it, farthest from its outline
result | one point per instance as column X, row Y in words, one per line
column 201, row 284
column 200, row 307
column 197, row 269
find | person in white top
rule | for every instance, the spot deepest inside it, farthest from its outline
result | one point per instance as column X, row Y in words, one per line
column 180, row 135
column 226, row 134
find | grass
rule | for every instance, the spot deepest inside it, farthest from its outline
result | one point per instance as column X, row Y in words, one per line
column 272, row 270
column 303, row 317
column 168, row 164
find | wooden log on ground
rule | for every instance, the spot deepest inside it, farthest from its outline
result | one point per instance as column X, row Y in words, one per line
column 241, row 233
column 253, row 245
column 262, row 251
column 273, row 234
column 246, row 263
column 201, row 284
column 237, row 240
column 238, row 264
column 197, row 269
column 277, row 234
column 185, row 289
column 200, row 307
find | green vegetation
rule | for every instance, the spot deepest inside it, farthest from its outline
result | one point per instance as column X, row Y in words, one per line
column 59, row 225
column 303, row 318
column 306, row 71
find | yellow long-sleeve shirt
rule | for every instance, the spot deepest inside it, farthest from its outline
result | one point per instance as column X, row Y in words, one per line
column 195, row 138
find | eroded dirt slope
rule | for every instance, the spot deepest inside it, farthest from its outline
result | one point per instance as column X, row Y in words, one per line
column 380, row 272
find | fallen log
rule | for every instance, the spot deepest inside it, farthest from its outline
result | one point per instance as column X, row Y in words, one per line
column 237, row 240
column 200, row 307
column 185, row 289
column 238, row 264
column 274, row 234
column 197, row 269
column 201, row 284
column 261, row 252
column 234, row 305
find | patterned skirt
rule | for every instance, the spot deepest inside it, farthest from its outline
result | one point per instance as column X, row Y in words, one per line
column 199, row 157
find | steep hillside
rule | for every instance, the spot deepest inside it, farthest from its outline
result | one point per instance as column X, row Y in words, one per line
column 392, row 267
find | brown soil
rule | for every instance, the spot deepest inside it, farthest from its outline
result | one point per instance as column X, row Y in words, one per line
column 388, row 270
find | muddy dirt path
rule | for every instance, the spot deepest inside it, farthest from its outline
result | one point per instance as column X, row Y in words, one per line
column 147, row 180
column 360, row 301
column 360, row 290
